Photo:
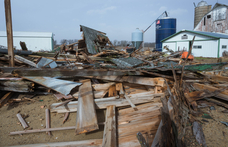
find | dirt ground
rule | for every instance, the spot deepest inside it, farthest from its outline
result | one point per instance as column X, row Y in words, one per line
column 216, row 133
column 36, row 120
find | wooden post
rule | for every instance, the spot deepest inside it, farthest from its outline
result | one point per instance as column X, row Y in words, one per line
column 9, row 32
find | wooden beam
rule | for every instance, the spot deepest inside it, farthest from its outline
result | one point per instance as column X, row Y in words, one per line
column 222, row 95
column 22, row 121
column 5, row 98
column 86, row 120
column 83, row 143
column 26, row 61
column 132, row 79
column 109, row 136
column 69, row 72
column 138, row 98
column 130, row 102
column 45, row 130
column 9, row 32
column 47, row 112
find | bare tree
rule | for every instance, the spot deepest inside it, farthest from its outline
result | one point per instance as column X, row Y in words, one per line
column 63, row 41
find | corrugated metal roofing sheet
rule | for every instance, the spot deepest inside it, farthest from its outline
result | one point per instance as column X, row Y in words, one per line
column 28, row 34
column 127, row 62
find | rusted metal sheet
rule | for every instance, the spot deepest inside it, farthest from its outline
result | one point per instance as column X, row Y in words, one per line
column 86, row 119
column 61, row 86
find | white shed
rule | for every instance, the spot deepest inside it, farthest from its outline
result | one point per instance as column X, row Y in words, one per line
column 35, row 41
column 206, row 44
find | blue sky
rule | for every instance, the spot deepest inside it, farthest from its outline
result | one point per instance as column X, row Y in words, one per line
column 118, row 18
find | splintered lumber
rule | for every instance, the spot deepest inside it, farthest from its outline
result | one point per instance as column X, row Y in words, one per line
column 5, row 98
column 97, row 94
column 146, row 120
column 109, row 136
column 112, row 91
column 47, row 112
column 71, row 72
column 132, row 79
column 86, row 120
column 16, row 86
column 101, row 87
column 66, row 117
column 22, row 121
column 217, row 78
column 138, row 98
column 84, row 143
column 129, row 100
column 222, row 95
column 26, row 61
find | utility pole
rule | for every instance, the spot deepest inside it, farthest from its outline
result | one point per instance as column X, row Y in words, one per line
column 9, row 32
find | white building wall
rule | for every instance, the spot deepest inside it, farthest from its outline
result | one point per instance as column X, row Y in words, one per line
column 223, row 42
column 35, row 41
column 183, row 46
column 209, row 49
column 171, row 45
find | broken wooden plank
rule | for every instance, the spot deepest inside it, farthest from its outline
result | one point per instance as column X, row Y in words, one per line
column 26, row 61
column 16, row 85
column 66, row 117
column 130, row 102
column 222, row 95
column 146, row 120
column 86, row 120
column 132, row 79
column 97, row 94
column 109, row 136
column 5, row 98
column 103, row 103
column 112, row 91
column 102, row 87
column 47, row 114
column 83, row 143
column 22, row 121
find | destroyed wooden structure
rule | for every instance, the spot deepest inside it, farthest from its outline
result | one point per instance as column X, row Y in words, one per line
column 144, row 96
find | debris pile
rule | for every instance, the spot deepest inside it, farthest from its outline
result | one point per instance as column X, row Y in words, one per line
column 145, row 95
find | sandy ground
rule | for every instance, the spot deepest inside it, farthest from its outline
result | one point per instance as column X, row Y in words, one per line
column 36, row 120
column 216, row 133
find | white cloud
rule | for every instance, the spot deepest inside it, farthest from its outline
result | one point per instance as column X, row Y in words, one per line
column 101, row 11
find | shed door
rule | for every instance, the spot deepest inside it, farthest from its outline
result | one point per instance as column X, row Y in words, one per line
column 183, row 46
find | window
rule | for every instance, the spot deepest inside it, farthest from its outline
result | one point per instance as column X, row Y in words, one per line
column 208, row 16
column 224, row 46
column 184, row 36
column 197, row 46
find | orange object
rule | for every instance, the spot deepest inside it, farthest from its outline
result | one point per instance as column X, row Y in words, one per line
column 185, row 54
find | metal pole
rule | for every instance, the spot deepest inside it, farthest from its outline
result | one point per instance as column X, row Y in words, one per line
column 9, row 32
